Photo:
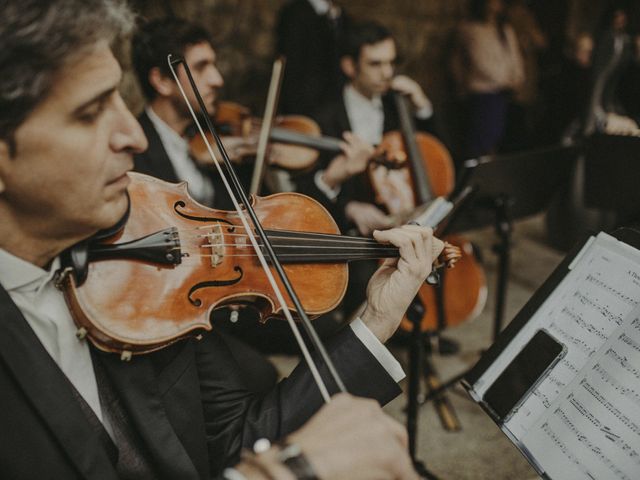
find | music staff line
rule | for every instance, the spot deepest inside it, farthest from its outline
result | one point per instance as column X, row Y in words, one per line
column 606, row 430
column 603, row 310
column 582, row 438
column 629, row 393
column 625, row 298
column 634, row 427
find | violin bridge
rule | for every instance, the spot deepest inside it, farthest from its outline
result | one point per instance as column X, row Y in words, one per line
column 216, row 243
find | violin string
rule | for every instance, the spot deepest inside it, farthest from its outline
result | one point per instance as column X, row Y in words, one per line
column 313, row 236
column 311, row 247
column 241, row 227
column 310, row 255
column 294, row 328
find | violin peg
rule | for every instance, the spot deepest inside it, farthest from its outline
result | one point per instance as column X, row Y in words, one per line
column 81, row 333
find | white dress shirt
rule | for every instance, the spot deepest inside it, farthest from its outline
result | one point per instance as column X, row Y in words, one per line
column 199, row 185
column 366, row 115
column 32, row 290
column 321, row 7
column 325, row 7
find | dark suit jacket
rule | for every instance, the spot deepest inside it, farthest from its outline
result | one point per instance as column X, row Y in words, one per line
column 333, row 121
column 187, row 403
column 309, row 42
column 155, row 162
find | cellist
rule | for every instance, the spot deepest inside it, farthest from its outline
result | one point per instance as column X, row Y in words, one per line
column 71, row 411
column 363, row 113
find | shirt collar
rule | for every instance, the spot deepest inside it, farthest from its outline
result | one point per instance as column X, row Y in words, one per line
column 168, row 135
column 320, row 6
column 356, row 98
column 19, row 274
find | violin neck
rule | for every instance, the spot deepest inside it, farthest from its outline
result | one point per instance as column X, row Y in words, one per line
column 304, row 247
column 327, row 144
column 420, row 178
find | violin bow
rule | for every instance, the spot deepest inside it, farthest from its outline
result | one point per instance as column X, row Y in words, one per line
column 267, row 122
column 234, row 193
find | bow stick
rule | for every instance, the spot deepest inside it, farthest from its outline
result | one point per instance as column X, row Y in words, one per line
column 246, row 206
column 267, row 122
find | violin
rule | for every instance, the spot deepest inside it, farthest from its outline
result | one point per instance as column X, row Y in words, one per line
column 425, row 171
column 157, row 279
column 295, row 139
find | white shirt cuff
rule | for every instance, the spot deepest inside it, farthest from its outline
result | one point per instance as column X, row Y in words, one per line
column 331, row 193
column 233, row 474
column 377, row 349
column 425, row 112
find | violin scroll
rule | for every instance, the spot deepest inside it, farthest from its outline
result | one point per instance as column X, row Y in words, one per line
column 450, row 255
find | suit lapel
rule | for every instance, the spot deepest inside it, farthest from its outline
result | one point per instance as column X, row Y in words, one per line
column 49, row 392
column 136, row 384
column 342, row 120
column 154, row 161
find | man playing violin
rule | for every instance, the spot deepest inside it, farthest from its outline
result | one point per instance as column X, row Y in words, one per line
column 67, row 141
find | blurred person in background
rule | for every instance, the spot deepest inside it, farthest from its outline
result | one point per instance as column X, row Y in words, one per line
column 488, row 67
column 522, row 108
column 308, row 35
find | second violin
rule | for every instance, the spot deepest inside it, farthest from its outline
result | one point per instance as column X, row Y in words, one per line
column 295, row 139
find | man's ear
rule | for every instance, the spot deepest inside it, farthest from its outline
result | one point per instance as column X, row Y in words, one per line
column 348, row 67
column 5, row 158
column 162, row 84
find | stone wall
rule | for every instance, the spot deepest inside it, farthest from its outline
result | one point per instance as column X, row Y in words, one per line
column 244, row 35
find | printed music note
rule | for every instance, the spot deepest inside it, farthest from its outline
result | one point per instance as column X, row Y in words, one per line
column 583, row 315
column 594, row 423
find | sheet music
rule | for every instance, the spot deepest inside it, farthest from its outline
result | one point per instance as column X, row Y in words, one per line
column 605, row 287
column 583, row 310
column 592, row 430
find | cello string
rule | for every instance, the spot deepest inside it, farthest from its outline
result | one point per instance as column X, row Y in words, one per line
column 294, row 328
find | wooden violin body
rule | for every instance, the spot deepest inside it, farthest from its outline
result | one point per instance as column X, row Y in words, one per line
column 289, row 135
column 140, row 306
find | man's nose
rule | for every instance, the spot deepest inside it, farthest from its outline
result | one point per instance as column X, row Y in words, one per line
column 128, row 135
column 215, row 77
column 387, row 71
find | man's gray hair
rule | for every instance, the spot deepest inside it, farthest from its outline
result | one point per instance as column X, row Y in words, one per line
column 38, row 38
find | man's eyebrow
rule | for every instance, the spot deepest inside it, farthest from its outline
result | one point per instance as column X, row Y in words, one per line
column 203, row 62
column 96, row 99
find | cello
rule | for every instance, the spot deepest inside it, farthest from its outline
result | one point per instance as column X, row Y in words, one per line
column 426, row 171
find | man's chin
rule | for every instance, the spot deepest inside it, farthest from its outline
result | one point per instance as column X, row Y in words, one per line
column 116, row 210
column 212, row 107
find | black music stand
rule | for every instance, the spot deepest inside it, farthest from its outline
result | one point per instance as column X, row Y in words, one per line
column 612, row 174
column 508, row 187
column 415, row 312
